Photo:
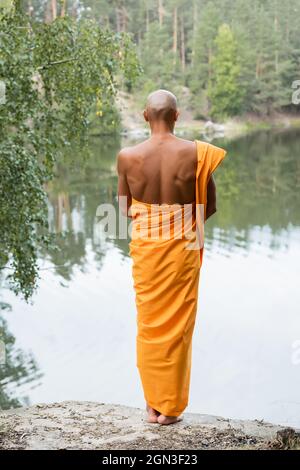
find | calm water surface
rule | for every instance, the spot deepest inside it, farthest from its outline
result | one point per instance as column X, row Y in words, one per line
column 76, row 341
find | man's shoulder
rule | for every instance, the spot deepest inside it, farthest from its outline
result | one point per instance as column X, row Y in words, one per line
column 130, row 151
column 128, row 156
column 186, row 149
column 192, row 146
column 123, row 157
column 125, row 152
column 185, row 143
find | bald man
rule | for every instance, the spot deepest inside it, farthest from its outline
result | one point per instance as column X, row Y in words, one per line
column 165, row 171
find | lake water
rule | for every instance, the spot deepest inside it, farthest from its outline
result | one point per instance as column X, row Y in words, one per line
column 76, row 341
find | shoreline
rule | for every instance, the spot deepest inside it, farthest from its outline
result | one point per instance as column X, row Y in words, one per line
column 99, row 426
column 134, row 127
column 210, row 130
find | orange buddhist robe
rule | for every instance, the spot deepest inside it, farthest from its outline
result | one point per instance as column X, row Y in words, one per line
column 166, row 277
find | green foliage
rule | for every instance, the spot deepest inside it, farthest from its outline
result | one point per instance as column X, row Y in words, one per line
column 55, row 75
column 202, row 50
column 225, row 90
column 156, row 57
column 5, row 5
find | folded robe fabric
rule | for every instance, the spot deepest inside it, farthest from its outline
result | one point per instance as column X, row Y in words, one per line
column 167, row 251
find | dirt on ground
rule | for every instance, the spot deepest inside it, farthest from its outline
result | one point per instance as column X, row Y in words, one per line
column 86, row 425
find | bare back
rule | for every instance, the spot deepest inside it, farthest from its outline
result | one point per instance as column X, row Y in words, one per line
column 160, row 170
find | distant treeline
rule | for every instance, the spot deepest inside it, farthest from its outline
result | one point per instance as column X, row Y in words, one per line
column 234, row 56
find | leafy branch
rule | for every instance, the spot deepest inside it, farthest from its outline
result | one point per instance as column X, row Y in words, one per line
column 47, row 108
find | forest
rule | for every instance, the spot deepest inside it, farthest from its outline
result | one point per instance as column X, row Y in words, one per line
column 233, row 56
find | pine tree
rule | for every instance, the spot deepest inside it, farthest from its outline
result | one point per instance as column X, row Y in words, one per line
column 225, row 92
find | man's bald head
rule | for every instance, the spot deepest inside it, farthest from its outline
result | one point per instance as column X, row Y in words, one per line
column 161, row 105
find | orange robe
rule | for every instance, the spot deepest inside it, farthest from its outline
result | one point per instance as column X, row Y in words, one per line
column 166, row 278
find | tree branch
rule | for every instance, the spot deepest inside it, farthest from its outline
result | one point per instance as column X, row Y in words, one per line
column 58, row 62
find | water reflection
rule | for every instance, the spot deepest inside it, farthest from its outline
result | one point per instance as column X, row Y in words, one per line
column 18, row 370
column 258, row 191
column 258, row 198
column 83, row 315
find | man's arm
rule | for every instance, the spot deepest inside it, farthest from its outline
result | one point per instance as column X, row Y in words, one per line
column 211, row 206
column 124, row 194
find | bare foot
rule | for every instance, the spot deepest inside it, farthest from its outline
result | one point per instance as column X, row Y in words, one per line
column 165, row 420
column 152, row 415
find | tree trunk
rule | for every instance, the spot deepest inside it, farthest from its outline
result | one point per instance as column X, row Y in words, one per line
column 63, row 8
column 121, row 18
column 287, row 30
column 182, row 44
column 53, row 9
column 210, row 55
column 160, row 12
column 74, row 9
column 257, row 69
column 175, row 34
column 48, row 15
column 147, row 20
column 276, row 35
column 195, row 25
column 118, row 20
column 124, row 17
column 30, row 9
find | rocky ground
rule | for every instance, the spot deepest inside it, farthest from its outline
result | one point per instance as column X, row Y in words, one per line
column 85, row 425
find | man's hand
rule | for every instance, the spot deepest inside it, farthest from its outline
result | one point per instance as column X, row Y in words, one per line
column 211, row 206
